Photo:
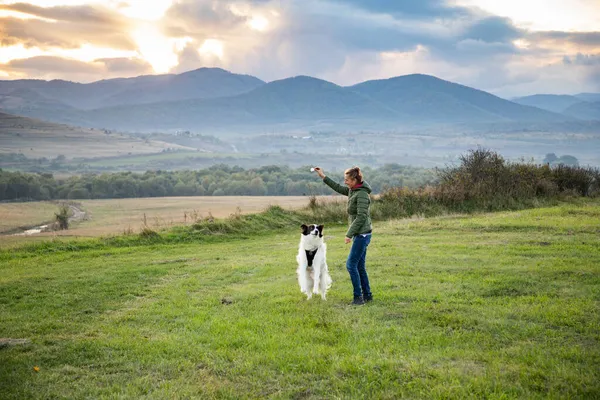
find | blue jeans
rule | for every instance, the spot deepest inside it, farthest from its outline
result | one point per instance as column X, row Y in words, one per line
column 356, row 265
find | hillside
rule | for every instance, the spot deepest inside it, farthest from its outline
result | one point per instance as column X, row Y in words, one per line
column 293, row 101
column 214, row 100
column 198, row 84
column 550, row 102
column 425, row 97
column 588, row 96
column 37, row 139
column 589, row 111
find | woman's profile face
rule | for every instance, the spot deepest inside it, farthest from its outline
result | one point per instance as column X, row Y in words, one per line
column 349, row 181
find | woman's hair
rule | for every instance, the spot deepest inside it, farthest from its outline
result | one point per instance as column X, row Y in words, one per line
column 354, row 173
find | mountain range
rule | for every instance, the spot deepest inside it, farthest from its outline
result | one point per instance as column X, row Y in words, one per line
column 584, row 106
column 212, row 99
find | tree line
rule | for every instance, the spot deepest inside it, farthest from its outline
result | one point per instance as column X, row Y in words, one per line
column 218, row 180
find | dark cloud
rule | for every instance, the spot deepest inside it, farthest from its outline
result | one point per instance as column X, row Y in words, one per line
column 354, row 32
column 468, row 40
column 399, row 8
column 493, row 30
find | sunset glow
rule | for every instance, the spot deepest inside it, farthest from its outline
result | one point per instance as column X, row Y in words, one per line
column 20, row 15
column 259, row 23
column 212, row 47
column 143, row 9
column 155, row 48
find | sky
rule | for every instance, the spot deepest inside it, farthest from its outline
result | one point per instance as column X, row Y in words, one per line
column 509, row 47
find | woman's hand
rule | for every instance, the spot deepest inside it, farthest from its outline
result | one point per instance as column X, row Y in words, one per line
column 320, row 172
column 347, row 240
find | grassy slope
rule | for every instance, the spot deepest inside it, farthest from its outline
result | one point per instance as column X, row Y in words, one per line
column 35, row 139
column 497, row 305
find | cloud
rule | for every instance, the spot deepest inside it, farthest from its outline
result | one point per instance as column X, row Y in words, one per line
column 49, row 64
column 49, row 67
column 40, row 33
column 66, row 27
column 422, row 8
column 190, row 58
column 202, row 16
column 493, row 30
column 96, row 15
column 125, row 66
column 582, row 59
column 572, row 39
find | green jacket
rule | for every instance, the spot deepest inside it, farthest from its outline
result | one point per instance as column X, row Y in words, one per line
column 359, row 206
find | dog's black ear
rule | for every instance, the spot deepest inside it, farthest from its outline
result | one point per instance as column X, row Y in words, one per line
column 320, row 228
column 304, row 228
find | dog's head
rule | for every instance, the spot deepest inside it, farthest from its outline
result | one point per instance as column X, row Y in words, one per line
column 312, row 229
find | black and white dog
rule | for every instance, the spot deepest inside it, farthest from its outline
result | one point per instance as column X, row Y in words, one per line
column 313, row 273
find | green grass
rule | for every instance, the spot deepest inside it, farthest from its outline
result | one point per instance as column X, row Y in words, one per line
column 498, row 306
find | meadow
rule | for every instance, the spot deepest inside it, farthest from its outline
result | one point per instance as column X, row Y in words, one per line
column 118, row 216
column 491, row 305
column 14, row 216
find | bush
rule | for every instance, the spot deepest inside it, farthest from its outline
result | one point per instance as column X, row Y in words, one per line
column 576, row 179
column 62, row 217
column 485, row 181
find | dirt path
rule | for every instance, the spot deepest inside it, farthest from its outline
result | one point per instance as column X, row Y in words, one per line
column 77, row 215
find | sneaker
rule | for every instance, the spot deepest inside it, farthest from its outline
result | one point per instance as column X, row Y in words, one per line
column 368, row 298
column 358, row 301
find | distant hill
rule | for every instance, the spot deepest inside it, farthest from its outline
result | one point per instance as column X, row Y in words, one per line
column 589, row 111
column 429, row 98
column 37, row 139
column 24, row 99
column 588, row 96
column 298, row 103
column 202, row 83
column 550, row 102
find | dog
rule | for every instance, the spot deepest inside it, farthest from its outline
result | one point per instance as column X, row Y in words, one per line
column 313, row 273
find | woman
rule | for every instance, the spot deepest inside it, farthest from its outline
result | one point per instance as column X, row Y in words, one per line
column 359, row 232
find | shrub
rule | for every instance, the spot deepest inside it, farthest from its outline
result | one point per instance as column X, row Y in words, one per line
column 485, row 181
column 62, row 217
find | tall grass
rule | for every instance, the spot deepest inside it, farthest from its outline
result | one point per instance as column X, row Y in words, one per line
column 484, row 181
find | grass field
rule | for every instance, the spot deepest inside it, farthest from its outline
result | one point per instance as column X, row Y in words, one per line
column 115, row 216
column 25, row 215
column 495, row 306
